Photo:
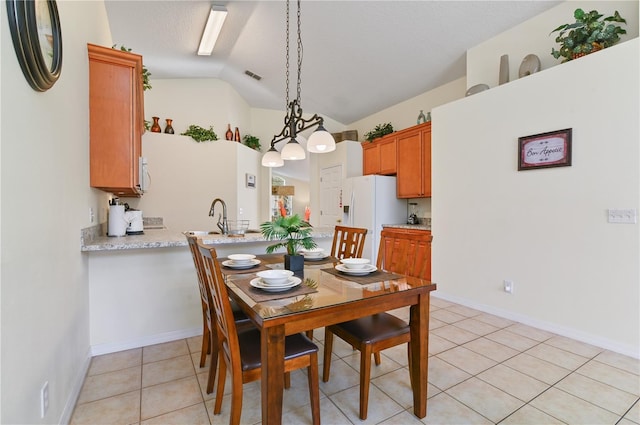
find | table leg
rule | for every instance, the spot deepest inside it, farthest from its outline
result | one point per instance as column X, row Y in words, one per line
column 272, row 356
column 419, row 324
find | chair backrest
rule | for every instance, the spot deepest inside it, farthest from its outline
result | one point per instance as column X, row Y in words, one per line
column 348, row 242
column 205, row 295
column 405, row 251
column 223, row 314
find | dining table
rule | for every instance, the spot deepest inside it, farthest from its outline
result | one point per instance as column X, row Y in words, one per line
column 325, row 296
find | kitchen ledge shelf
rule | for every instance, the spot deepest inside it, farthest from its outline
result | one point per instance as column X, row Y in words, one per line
column 409, row 226
column 165, row 238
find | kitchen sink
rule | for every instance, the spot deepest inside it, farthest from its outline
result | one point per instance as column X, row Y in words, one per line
column 217, row 232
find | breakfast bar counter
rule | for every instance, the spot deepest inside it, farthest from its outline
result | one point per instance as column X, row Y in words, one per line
column 166, row 238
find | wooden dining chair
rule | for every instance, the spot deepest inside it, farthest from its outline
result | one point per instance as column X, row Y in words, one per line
column 209, row 336
column 240, row 353
column 402, row 251
column 348, row 242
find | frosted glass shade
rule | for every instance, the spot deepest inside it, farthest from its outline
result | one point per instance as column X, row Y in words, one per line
column 321, row 141
column 292, row 151
column 272, row 158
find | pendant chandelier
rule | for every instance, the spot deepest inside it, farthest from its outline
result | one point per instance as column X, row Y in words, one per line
column 320, row 140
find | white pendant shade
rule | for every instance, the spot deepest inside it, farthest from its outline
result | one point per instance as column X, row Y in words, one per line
column 292, row 151
column 321, row 141
column 272, row 159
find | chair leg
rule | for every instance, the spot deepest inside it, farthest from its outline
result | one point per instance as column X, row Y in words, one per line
column 213, row 362
column 410, row 361
column 328, row 348
column 236, row 400
column 222, row 377
column 205, row 345
column 309, row 334
column 376, row 357
column 365, row 377
column 314, row 389
column 287, row 380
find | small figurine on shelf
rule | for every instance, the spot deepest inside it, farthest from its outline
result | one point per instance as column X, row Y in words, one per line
column 428, row 116
column 421, row 117
column 307, row 214
column 237, row 136
column 155, row 127
column 169, row 128
column 229, row 134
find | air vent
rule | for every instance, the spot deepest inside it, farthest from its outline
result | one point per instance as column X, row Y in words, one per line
column 252, row 75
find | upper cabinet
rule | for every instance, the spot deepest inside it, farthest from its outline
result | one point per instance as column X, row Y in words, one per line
column 379, row 156
column 116, row 120
column 414, row 162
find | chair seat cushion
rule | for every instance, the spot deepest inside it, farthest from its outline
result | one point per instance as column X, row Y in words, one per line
column 371, row 329
column 294, row 346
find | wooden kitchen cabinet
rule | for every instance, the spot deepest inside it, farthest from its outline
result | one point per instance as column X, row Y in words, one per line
column 116, row 120
column 414, row 162
column 379, row 156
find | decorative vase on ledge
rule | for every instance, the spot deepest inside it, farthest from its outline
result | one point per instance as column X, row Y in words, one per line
column 155, row 128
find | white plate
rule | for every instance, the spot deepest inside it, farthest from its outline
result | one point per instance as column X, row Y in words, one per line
column 293, row 282
column 233, row 265
column 356, row 272
column 315, row 257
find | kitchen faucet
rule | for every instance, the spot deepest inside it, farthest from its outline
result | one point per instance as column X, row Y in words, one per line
column 224, row 225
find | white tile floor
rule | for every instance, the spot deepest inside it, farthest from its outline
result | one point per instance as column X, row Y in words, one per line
column 482, row 370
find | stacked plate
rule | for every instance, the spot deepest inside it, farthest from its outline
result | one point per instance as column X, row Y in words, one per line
column 356, row 266
column 275, row 280
column 241, row 261
column 314, row 254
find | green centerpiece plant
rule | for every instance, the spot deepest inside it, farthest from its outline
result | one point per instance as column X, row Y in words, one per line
column 293, row 233
column 588, row 34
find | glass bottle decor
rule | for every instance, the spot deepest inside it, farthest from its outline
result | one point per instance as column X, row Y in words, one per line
column 421, row 117
column 229, row 134
column 155, row 127
column 237, row 135
column 169, row 128
column 428, row 116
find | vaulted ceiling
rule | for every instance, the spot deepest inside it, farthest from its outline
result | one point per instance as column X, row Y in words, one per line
column 359, row 57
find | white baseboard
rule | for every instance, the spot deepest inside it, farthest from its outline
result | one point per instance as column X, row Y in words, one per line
column 598, row 341
column 78, row 381
column 100, row 349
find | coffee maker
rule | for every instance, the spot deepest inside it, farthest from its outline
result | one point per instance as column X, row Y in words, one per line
column 413, row 217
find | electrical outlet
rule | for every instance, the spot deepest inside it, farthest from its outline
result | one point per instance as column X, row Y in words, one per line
column 91, row 215
column 628, row 216
column 44, row 399
column 508, row 286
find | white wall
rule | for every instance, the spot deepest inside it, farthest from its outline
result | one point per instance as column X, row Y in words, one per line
column 186, row 176
column 45, row 201
column 533, row 37
column 574, row 273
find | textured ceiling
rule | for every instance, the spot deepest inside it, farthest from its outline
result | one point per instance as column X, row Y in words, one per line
column 359, row 56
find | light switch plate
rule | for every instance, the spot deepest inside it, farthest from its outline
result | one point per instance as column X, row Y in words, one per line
column 625, row 216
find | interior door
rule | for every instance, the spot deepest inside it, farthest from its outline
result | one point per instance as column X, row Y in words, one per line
column 331, row 195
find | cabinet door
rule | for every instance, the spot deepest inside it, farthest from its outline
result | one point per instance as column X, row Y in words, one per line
column 426, row 162
column 409, row 150
column 370, row 158
column 115, row 120
column 388, row 160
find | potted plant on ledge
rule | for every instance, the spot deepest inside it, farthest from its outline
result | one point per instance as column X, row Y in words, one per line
column 293, row 233
column 588, row 34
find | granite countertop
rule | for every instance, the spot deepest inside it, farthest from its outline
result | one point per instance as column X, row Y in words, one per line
column 410, row 226
column 91, row 240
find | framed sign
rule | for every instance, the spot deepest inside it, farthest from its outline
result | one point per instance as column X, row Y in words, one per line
column 37, row 40
column 552, row 149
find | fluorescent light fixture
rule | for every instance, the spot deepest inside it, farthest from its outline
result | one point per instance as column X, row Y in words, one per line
column 217, row 15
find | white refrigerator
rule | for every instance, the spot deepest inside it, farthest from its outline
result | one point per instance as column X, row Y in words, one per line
column 369, row 202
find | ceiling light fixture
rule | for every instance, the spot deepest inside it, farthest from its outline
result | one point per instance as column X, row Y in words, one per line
column 320, row 140
column 217, row 15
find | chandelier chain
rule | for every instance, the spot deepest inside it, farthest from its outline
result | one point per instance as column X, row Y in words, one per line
column 287, row 56
column 299, row 55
